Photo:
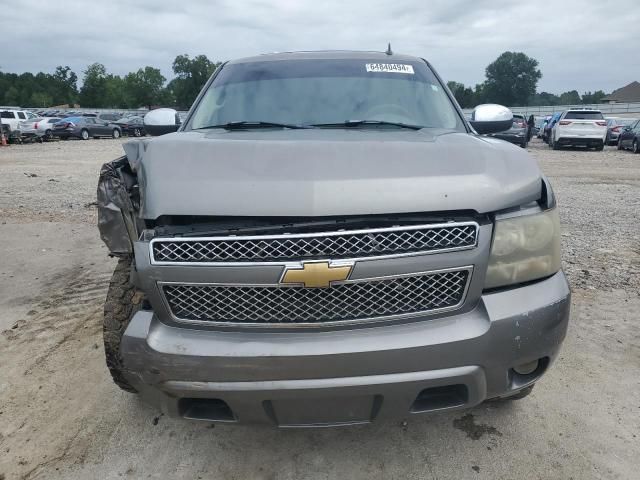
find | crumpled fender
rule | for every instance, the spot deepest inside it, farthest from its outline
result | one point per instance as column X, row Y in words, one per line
column 118, row 204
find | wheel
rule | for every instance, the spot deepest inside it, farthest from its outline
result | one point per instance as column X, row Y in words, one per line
column 137, row 132
column 555, row 145
column 524, row 144
column 599, row 148
column 619, row 145
column 116, row 133
column 84, row 134
column 635, row 147
column 123, row 301
column 48, row 136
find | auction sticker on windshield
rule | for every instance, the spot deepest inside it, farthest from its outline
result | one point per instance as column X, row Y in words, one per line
column 390, row 68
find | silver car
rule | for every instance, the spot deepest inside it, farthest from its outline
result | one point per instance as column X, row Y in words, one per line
column 38, row 128
column 325, row 240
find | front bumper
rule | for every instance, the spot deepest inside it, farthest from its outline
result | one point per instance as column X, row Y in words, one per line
column 320, row 378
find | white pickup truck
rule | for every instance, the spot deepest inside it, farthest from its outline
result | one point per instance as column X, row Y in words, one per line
column 583, row 127
column 14, row 117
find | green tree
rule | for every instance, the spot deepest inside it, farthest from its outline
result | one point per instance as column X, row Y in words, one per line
column 595, row 97
column 64, row 86
column 571, row 97
column 12, row 96
column 94, row 86
column 145, row 87
column 466, row 96
column 511, row 79
column 40, row 99
column 115, row 93
column 191, row 75
column 544, row 99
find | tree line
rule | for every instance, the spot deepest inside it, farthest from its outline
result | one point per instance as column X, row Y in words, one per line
column 145, row 87
column 511, row 80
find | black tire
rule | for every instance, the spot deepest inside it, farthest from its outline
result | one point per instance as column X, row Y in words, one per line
column 123, row 301
column 599, row 148
column 48, row 136
column 635, row 148
column 137, row 132
column 523, row 145
column 84, row 134
column 555, row 145
column 116, row 133
column 619, row 145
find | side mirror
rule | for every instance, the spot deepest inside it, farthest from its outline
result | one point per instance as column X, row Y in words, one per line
column 491, row 118
column 161, row 121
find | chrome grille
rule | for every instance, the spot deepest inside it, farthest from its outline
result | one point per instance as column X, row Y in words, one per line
column 350, row 301
column 342, row 244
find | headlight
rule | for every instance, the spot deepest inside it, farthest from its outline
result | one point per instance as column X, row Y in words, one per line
column 524, row 248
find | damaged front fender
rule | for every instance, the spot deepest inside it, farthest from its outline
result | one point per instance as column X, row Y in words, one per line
column 118, row 206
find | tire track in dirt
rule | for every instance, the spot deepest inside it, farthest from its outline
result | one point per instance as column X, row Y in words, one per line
column 63, row 321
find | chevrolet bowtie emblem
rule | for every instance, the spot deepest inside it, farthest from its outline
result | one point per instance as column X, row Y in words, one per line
column 316, row 274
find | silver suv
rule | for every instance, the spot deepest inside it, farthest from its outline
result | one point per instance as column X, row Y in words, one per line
column 325, row 240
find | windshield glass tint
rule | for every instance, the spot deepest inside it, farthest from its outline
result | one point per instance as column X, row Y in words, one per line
column 306, row 92
column 584, row 116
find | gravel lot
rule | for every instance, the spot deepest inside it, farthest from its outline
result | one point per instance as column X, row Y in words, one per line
column 61, row 417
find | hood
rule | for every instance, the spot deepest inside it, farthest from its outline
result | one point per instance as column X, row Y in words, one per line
column 327, row 172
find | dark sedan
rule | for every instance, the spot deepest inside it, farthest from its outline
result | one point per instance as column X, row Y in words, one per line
column 615, row 126
column 630, row 138
column 518, row 133
column 132, row 126
column 85, row 128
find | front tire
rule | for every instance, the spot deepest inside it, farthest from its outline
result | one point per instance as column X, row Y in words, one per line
column 123, row 301
column 84, row 134
column 115, row 133
column 635, row 148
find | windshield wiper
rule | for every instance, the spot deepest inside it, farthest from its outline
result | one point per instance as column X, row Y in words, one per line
column 242, row 124
column 358, row 123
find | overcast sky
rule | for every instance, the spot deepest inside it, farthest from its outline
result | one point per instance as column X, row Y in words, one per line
column 586, row 45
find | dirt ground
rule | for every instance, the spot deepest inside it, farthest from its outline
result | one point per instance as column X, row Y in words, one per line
column 62, row 417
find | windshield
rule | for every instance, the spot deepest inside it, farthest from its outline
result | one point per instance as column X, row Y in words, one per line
column 312, row 92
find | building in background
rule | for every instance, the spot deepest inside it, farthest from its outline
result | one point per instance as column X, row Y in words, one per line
column 627, row 94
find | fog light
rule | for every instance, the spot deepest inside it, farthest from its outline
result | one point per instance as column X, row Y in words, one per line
column 526, row 368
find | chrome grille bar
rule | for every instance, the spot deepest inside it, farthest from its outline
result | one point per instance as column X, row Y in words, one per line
column 352, row 301
column 401, row 240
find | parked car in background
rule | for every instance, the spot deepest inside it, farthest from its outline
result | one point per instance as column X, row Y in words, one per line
column 579, row 127
column 615, row 126
column 630, row 138
column 104, row 117
column 13, row 118
column 132, row 126
column 547, row 129
column 40, row 128
column 85, row 128
column 518, row 133
column 542, row 125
